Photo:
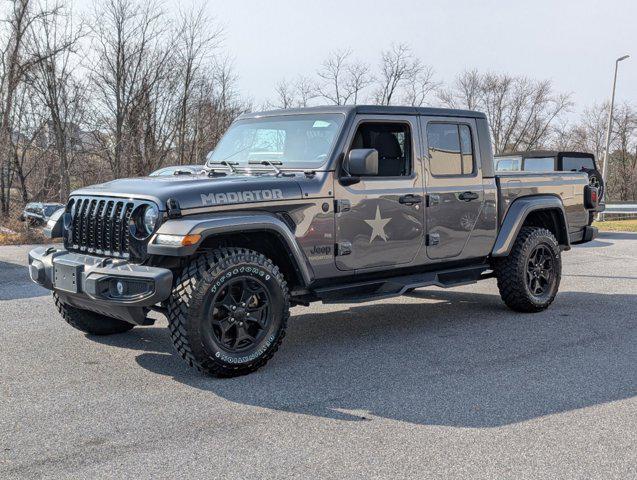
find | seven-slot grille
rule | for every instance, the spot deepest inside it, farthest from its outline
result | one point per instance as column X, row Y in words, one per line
column 100, row 225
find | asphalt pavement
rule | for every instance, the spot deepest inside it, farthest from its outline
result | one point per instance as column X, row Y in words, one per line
column 437, row 384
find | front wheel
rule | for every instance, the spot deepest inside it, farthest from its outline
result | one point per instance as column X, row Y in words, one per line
column 529, row 278
column 228, row 312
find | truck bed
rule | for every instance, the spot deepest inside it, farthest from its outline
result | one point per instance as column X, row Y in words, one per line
column 566, row 185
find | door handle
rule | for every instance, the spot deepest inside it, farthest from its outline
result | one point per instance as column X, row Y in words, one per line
column 468, row 196
column 410, row 199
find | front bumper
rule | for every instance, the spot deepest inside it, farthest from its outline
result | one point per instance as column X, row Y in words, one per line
column 109, row 286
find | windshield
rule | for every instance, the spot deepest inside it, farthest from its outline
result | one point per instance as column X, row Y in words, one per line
column 50, row 210
column 295, row 141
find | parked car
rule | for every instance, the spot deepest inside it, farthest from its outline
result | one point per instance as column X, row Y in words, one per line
column 555, row 161
column 354, row 203
column 37, row 213
column 178, row 170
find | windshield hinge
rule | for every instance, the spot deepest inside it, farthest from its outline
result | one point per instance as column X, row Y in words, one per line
column 172, row 208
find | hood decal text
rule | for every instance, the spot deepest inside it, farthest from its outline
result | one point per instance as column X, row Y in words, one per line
column 244, row 196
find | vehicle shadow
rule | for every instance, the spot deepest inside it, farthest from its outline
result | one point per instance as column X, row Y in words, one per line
column 15, row 283
column 461, row 359
column 618, row 235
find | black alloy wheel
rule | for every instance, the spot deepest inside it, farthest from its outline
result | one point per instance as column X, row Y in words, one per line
column 239, row 314
column 540, row 272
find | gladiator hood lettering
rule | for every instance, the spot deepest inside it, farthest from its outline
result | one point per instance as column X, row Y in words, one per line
column 246, row 196
column 201, row 191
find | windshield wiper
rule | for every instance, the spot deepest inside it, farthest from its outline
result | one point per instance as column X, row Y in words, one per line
column 268, row 163
column 227, row 164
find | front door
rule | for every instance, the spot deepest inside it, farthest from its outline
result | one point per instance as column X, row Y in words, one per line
column 380, row 220
column 454, row 185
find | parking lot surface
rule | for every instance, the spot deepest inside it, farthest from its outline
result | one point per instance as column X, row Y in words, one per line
column 437, row 384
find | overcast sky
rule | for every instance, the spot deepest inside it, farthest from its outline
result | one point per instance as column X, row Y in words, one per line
column 574, row 43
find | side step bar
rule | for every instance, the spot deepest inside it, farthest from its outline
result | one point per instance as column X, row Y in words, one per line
column 385, row 288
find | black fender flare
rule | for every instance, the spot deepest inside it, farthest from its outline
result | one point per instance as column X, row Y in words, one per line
column 517, row 214
column 208, row 225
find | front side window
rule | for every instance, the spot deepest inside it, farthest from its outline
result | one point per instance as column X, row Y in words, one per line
column 297, row 141
column 393, row 143
column 539, row 164
column 450, row 149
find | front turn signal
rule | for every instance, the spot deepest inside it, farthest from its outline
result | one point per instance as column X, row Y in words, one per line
column 177, row 240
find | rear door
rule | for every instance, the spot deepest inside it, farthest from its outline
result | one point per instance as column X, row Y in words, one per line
column 455, row 194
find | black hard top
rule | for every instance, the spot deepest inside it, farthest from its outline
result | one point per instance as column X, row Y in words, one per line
column 543, row 153
column 371, row 110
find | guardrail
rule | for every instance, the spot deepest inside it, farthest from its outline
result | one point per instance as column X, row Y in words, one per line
column 626, row 209
column 621, row 208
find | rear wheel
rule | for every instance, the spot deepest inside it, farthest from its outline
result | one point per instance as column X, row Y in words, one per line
column 529, row 278
column 228, row 312
column 90, row 322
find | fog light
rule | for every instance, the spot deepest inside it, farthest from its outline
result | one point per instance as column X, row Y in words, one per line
column 120, row 287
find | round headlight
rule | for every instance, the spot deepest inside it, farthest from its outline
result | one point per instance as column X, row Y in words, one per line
column 151, row 215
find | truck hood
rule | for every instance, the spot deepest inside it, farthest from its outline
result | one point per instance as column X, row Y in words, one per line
column 200, row 191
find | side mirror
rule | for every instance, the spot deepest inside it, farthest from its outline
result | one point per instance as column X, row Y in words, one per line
column 362, row 162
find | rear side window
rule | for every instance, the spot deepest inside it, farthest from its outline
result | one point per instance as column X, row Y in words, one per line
column 577, row 164
column 539, row 164
column 450, row 149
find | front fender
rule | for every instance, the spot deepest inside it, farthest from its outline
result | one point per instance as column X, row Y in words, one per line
column 208, row 225
column 517, row 214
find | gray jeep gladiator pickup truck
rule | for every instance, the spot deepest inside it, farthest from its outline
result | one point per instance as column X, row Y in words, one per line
column 337, row 204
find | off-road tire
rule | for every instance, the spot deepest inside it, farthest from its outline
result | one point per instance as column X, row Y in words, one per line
column 511, row 271
column 188, row 310
column 90, row 322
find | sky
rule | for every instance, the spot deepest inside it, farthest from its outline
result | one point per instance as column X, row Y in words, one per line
column 573, row 43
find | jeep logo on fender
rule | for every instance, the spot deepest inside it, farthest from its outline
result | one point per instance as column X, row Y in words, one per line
column 241, row 197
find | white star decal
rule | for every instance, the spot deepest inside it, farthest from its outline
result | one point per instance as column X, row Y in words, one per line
column 378, row 226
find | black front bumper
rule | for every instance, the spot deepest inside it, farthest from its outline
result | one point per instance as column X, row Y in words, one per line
column 109, row 286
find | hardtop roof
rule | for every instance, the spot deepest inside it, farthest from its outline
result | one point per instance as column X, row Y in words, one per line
column 542, row 153
column 370, row 110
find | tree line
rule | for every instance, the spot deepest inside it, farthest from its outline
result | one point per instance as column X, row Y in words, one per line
column 129, row 87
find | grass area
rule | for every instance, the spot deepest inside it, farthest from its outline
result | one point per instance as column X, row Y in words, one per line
column 14, row 232
column 617, row 225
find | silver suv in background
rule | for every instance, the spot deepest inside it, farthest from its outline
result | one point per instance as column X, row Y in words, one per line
column 37, row 213
column 555, row 161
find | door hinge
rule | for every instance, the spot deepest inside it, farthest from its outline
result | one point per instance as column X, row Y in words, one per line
column 432, row 199
column 432, row 239
column 343, row 248
column 341, row 206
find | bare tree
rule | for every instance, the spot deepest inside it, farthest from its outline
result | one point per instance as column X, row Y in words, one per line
column 341, row 80
column 18, row 57
column 197, row 38
column 331, row 73
column 419, row 85
column 286, row 95
column 398, row 66
column 55, row 40
column 132, row 55
column 622, row 178
column 306, row 90
column 522, row 113
column 465, row 91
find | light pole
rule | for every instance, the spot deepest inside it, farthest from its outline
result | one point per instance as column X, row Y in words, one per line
column 610, row 124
